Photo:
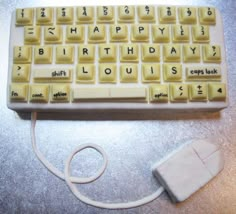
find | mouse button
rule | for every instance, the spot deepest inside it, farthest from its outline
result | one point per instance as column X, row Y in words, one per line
column 215, row 162
column 203, row 148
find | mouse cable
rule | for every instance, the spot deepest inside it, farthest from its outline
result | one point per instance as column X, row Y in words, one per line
column 71, row 180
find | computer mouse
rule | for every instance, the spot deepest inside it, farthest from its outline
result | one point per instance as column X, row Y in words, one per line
column 189, row 169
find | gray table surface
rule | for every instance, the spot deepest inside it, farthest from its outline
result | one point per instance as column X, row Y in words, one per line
column 133, row 143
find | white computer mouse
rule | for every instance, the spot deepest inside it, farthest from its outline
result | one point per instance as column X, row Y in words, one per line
column 189, row 168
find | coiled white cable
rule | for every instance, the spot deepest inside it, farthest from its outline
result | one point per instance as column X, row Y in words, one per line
column 70, row 180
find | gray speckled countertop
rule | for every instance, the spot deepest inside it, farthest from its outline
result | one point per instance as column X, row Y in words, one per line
column 133, row 143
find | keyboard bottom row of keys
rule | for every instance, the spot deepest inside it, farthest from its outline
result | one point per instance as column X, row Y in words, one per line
column 178, row 92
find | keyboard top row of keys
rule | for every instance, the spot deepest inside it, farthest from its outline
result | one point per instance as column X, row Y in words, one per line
column 106, row 14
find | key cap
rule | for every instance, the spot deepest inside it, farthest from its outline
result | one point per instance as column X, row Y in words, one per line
column 43, row 55
column 171, row 53
column 60, row 93
column 74, row 34
column 44, row 16
column 20, row 73
column 150, row 53
column 150, row 73
column 90, row 93
column 118, row 33
column 24, row 16
column 180, row 33
column 18, row 92
column 140, row 33
column 85, row 15
column 178, row 92
column 200, row 34
column 39, row 93
column 32, row 35
column 167, row 14
column 146, row 13
column 187, row 15
column 126, row 13
column 107, row 53
column 65, row 15
column 217, row 91
column 128, row 73
column 96, row 34
column 128, row 93
column 105, row 14
column 172, row 72
column 191, row 53
column 198, row 92
column 65, row 54
column 160, row 33
column 129, row 53
column 52, row 75
column 207, row 15
column 53, row 35
column 211, row 53
column 86, row 53
column 203, row 73
column 85, row 73
column 22, row 54
column 159, row 93
column 107, row 73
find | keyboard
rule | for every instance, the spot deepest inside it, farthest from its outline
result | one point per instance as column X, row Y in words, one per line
column 117, row 57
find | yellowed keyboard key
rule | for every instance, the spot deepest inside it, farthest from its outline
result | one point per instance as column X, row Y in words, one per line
column 167, row 14
column 198, row 91
column 171, row 53
column 44, row 16
column 85, row 73
column 53, row 34
column 159, row 93
column 187, row 15
column 60, row 93
column 178, row 92
column 217, row 91
column 24, row 16
column 160, row 33
column 200, row 34
column 207, row 15
column 85, row 15
column 191, row 53
column 46, row 75
column 96, row 34
column 18, row 92
column 146, row 14
column 65, row 54
column 22, row 54
column 65, row 15
column 74, row 34
column 172, row 72
column 150, row 53
column 180, row 33
column 21, row 73
column 43, row 55
column 107, row 73
column 140, row 33
column 105, row 14
column 107, row 53
column 126, row 13
column 212, row 53
column 39, row 93
column 128, row 73
column 118, row 33
column 150, row 73
column 32, row 35
column 129, row 53
column 86, row 53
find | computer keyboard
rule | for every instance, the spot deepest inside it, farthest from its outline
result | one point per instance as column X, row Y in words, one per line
column 117, row 57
